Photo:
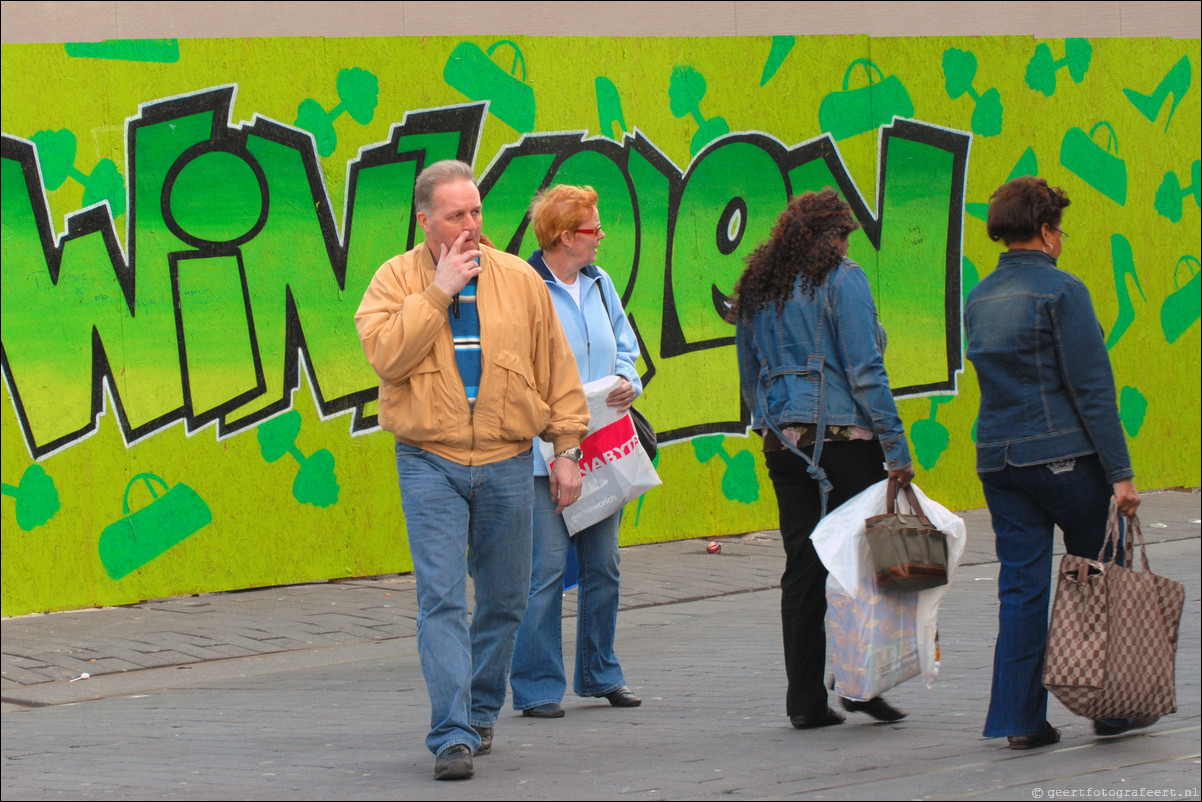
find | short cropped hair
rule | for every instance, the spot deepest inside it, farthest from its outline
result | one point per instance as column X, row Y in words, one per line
column 1020, row 207
column 442, row 172
column 560, row 208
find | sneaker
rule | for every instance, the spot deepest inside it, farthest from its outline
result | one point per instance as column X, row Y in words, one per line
column 1117, row 726
column 454, row 763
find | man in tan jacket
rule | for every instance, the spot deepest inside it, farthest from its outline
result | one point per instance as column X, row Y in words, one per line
column 473, row 366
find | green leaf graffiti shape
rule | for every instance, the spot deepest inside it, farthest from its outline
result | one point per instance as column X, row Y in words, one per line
column 36, row 497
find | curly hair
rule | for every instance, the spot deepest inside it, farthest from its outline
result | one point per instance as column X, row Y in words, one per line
column 1020, row 207
column 806, row 241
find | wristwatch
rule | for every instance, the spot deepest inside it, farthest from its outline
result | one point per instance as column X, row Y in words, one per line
column 574, row 454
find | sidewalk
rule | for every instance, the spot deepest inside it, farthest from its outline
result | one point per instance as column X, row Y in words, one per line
column 315, row 691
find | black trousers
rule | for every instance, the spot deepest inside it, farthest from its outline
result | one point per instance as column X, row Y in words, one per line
column 851, row 467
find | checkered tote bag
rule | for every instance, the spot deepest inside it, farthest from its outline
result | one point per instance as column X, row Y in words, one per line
column 1112, row 644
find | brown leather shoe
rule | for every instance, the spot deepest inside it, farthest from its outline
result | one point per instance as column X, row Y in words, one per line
column 549, row 710
column 1045, row 737
column 825, row 719
column 485, row 734
column 454, row 763
column 623, row 697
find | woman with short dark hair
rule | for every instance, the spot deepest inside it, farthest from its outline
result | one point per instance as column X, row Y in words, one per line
column 812, row 371
column 1050, row 447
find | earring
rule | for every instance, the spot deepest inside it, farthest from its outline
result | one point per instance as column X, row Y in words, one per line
column 1046, row 248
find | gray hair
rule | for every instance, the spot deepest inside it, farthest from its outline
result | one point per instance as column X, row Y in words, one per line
column 439, row 173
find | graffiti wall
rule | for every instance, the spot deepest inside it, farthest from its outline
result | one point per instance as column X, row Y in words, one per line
column 188, row 227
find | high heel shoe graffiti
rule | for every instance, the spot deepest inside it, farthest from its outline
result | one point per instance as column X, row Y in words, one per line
column 1176, row 83
column 1124, row 265
column 1099, row 167
column 1183, row 306
column 1170, row 196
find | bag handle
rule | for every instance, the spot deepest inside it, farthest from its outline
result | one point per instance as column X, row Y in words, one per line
column 1114, row 538
column 1112, row 141
column 893, row 490
column 517, row 56
column 1189, row 260
column 866, row 64
column 146, row 477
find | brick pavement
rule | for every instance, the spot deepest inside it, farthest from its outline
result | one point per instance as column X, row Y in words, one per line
column 314, row 691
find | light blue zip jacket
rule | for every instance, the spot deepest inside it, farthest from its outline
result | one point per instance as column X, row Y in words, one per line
column 603, row 342
column 821, row 361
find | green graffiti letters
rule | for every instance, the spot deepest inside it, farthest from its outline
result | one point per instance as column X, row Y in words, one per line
column 237, row 275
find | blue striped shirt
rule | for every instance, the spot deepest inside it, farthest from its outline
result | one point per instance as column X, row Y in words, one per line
column 465, row 330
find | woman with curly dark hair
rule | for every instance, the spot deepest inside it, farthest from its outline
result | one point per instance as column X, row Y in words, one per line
column 812, row 372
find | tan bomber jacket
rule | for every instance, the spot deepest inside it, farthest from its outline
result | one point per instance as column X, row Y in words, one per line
column 529, row 385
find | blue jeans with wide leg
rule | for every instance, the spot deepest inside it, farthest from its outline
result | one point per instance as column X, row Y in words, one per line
column 461, row 519
column 1025, row 504
column 538, row 676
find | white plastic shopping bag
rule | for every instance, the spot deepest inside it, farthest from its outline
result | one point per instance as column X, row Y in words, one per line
column 614, row 469
column 879, row 654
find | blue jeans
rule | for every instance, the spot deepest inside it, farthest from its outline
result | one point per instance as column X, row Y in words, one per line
column 483, row 512
column 1025, row 503
column 538, row 672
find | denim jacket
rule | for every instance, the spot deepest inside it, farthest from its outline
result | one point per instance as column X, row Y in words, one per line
column 1047, row 390
column 821, row 361
column 601, row 337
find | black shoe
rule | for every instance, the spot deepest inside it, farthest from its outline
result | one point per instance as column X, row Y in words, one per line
column 623, row 697
column 1045, row 737
column 823, row 719
column 549, row 710
column 1117, row 726
column 485, row 734
column 454, row 763
column 876, row 707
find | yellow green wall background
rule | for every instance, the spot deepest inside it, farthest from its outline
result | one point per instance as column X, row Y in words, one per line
column 1133, row 252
